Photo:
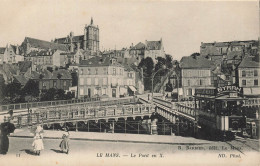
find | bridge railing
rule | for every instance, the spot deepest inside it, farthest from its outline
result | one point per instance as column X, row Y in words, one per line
column 45, row 104
column 187, row 108
column 252, row 102
column 89, row 101
column 46, row 116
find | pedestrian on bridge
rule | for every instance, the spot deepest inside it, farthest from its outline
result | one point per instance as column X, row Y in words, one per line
column 65, row 145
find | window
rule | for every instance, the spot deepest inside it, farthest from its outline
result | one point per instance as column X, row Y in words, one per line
column 81, row 81
column 243, row 73
column 189, row 92
column 243, row 82
column 89, row 71
column 64, row 83
column 104, row 81
column 188, row 82
column 200, row 83
column 81, row 71
column 54, row 83
column 255, row 82
column 88, row 81
column 130, row 75
column 255, row 73
column 114, row 71
column 81, row 92
column 105, row 71
column 104, row 91
column 96, row 81
column 96, row 71
column 121, row 72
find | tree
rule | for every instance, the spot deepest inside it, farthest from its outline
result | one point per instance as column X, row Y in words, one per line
column 168, row 62
column 60, row 94
column 48, row 95
column 160, row 62
column 31, row 88
column 13, row 89
column 148, row 66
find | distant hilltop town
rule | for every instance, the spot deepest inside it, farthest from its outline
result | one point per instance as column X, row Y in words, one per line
column 77, row 66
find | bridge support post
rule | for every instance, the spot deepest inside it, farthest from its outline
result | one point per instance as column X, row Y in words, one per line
column 88, row 125
column 195, row 129
column 100, row 130
column 76, row 126
column 113, row 126
column 138, row 127
column 154, row 127
column 125, row 124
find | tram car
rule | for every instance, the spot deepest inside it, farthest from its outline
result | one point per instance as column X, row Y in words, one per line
column 219, row 112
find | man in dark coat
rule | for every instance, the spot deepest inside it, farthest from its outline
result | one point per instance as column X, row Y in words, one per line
column 6, row 128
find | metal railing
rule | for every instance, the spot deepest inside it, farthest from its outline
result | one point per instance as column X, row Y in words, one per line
column 89, row 101
column 44, row 104
column 56, row 116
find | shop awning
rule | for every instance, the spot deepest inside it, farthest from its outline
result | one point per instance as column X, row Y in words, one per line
column 132, row 88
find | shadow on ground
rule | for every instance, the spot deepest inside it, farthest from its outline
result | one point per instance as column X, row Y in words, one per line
column 57, row 151
column 29, row 151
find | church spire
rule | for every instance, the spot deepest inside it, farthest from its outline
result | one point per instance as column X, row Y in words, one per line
column 91, row 22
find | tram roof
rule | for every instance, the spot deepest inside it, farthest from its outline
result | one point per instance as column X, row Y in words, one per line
column 219, row 97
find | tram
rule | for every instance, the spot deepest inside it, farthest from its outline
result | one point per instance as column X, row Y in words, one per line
column 219, row 112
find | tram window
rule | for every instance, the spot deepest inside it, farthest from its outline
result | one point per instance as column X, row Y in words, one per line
column 219, row 108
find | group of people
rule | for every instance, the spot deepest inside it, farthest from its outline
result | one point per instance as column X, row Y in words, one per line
column 8, row 127
column 38, row 141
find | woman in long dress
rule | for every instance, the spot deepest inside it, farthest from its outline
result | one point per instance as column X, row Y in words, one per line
column 64, row 145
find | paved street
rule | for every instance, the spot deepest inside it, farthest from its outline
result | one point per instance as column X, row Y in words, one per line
column 23, row 147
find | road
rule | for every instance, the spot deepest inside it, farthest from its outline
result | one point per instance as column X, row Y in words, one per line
column 23, row 146
column 117, row 152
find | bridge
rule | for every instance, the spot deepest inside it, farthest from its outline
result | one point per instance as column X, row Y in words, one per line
column 180, row 116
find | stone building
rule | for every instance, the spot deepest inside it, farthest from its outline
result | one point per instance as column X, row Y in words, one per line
column 249, row 76
column 30, row 44
column 105, row 77
column 11, row 54
column 88, row 41
column 195, row 72
column 154, row 49
column 59, row 79
column 223, row 48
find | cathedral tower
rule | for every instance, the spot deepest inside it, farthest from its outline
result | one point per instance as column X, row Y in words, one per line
column 91, row 38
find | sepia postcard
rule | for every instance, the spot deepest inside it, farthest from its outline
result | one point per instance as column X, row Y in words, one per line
column 128, row 82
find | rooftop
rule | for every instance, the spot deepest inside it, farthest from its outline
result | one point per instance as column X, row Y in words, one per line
column 199, row 62
column 99, row 61
column 2, row 50
column 250, row 62
column 45, row 44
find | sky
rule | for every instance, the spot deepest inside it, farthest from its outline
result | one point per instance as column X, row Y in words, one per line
column 181, row 25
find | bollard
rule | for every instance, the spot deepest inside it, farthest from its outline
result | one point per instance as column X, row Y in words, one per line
column 154, row 127
column 253, row 130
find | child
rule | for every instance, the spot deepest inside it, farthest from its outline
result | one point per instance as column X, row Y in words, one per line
column 64, row 145
column 37, row 144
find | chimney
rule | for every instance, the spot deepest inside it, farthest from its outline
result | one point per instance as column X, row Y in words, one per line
column 71, row 47
column 71, row 34
column 17, row 50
